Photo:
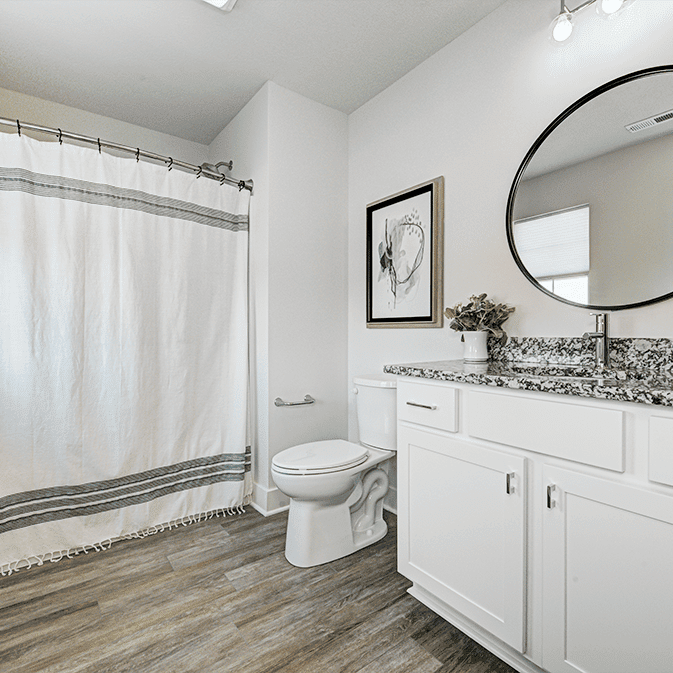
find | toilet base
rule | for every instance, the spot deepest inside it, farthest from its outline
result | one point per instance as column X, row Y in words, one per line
column 374, row 534
column 318, row 534
column 320, row 531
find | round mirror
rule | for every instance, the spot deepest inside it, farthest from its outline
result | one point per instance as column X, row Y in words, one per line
column 590, row 211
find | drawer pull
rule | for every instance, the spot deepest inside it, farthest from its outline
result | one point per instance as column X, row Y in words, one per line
column 510, row 487
column 432, row 407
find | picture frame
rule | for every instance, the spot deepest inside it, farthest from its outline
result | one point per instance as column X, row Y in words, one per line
column 405, row 258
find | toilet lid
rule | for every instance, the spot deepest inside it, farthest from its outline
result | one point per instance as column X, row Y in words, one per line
column 317, row 457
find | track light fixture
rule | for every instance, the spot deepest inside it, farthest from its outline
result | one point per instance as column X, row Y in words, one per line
column 562, row 26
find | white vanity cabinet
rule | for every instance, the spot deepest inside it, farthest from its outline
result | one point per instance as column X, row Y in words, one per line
column 608, row 576
column 539, row 524
column 463, row 529
column 461, row 512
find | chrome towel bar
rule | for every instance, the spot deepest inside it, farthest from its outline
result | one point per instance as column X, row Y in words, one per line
column 281, row 403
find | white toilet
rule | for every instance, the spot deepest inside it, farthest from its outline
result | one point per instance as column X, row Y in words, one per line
column 336, row 489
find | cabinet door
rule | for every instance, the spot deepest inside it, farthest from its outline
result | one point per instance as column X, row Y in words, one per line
column 608, row 576
column 461, row 528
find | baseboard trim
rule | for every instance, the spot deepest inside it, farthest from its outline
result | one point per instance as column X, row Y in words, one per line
column 269, row 501
column 265, row 512
column 510, row 656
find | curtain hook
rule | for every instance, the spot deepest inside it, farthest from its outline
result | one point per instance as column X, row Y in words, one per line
column 99, row 150
column 198, row 175
column 170, row 163
column 18, row 126
column 137, row 154
column 60, row 137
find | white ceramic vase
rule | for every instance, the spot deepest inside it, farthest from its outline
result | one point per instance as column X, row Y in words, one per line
column 475, row 346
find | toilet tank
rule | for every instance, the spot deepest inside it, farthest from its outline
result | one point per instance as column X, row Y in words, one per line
column 376, row 401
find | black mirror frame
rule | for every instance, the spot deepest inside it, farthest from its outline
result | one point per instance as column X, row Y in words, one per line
column 640, row 74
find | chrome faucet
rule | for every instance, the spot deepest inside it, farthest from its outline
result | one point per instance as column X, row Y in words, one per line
column 602, row 340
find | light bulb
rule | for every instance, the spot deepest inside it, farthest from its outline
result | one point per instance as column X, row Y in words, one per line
column 610, row 6
column 224, row 5
column 562, row 27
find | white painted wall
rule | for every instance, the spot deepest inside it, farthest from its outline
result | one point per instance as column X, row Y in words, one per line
column 246, row 141
column 470, row 113
column 14, row 105
column 307, row 267
column 296, row 151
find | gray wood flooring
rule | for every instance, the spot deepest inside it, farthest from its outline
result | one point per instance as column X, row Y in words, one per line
column 219, row 596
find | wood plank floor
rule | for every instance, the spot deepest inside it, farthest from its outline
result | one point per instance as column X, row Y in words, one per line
column 219, row 596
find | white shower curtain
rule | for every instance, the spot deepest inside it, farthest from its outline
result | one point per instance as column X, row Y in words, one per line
column 123, row 348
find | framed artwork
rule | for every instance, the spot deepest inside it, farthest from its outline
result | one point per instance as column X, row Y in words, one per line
column 405, row 245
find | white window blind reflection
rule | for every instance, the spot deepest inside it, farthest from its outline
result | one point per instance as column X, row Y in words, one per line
column 554, row 244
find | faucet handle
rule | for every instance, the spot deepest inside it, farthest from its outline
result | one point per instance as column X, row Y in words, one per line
column 601, row 321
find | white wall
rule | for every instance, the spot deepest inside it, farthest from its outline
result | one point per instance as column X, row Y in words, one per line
column 470, row 113
column 246, row 141
column 14, row 105
column 296, row 152
column 307, row 267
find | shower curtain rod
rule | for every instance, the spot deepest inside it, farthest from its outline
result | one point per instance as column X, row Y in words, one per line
column 204, row 169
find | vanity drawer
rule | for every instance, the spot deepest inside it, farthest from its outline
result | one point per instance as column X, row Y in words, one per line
column 428, row 404
column 661, row 450
column 585, row 434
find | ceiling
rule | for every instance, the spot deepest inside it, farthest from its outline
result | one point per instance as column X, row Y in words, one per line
column 186, row 68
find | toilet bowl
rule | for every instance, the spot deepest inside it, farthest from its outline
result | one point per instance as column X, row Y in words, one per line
column 336, row 487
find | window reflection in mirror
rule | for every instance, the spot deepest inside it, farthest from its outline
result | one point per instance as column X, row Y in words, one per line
column 554, row 247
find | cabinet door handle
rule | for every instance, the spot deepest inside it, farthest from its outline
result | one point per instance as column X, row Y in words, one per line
column 509, row 486
column 551, row 503
column 432, row 407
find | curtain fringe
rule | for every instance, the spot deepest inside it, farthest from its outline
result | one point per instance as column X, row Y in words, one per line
column 54, row 557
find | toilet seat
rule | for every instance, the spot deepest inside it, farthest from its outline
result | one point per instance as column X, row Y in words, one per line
column 331, row 455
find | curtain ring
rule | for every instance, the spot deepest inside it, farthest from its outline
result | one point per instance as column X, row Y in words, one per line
column 170, row 163
column 60, row 137
column 137, row 154
column 222, row 179
column 18, row 127
column 99, row 150
column 241, row 185
column 198, row 175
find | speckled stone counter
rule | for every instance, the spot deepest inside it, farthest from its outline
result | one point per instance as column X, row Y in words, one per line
column 641, row 369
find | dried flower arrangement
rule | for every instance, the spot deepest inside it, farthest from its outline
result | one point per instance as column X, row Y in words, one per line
column 480, row 315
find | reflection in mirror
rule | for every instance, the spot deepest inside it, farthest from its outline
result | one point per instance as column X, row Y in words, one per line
column 590, row 218
column 555, row 249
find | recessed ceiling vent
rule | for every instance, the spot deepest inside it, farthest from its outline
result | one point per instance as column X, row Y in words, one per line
column 651, row 121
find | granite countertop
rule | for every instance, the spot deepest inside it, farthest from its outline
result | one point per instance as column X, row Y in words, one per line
column 630, row 384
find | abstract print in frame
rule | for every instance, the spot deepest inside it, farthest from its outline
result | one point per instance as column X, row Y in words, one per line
column 405, row 258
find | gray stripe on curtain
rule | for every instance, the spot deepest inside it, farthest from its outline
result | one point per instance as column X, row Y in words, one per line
column 54, row 186
column 63, row 502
